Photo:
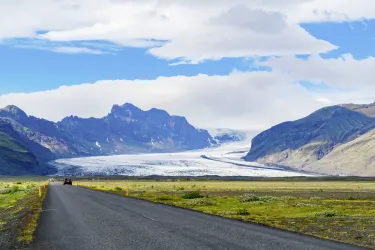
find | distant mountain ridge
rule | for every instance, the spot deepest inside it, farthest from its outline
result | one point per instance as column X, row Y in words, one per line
column 129, row 129
column 222, row 135
column 126, row 129
column 308, row 142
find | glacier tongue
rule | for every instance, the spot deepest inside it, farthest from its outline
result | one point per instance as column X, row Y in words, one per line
column 222, row 161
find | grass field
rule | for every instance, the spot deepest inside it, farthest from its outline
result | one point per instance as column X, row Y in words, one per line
column 337, row 210
column 20, row 206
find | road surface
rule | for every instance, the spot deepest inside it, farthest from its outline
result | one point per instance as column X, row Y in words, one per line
column 82, row 219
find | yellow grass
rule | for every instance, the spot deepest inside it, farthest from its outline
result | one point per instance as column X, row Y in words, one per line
column 233, row 185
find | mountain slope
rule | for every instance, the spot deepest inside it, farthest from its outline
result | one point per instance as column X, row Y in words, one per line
column 355, row 158
column 18, row 147
column 11, row 129
column 301, row 143
column 15, row 159
column 45, row 133
column 366, row 109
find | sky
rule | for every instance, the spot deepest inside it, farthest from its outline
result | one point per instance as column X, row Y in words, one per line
column 241, row 64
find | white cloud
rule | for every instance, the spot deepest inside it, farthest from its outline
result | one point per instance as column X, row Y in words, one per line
column 344, row 72
column 240, row 16
column 76, row 50
column 194, row 30
column 242, row 37
column 358, row 96
column 324, row 100
column 348, row 80
column 333, row 10
column 247, row 100
column 79, row 47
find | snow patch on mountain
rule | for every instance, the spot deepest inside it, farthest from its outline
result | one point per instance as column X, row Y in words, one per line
column 222, row 135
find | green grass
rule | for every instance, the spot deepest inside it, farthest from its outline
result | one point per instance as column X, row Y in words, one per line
column 242, row 211
column 8, row 142
column 34, row 207
column 20, row 206
column 13, row 154
column 192, row 195
column 337, row 210
column 200, row 202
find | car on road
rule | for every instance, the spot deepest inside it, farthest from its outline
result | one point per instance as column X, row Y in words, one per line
column 67, row 181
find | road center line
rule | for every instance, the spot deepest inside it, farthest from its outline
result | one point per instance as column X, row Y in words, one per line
column 46, row 210
column 149, row 218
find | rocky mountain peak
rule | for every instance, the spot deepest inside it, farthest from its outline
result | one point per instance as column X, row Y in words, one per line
column 158, row 115
column 13, row 112
column 126, row 110
column 129, row 106
column 158, row 111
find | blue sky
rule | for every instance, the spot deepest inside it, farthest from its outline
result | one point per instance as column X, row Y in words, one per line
column 30, row 69
column 356, row 38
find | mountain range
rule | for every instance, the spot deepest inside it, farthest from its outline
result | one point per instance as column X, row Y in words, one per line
column 27, row 143
column 336, row 140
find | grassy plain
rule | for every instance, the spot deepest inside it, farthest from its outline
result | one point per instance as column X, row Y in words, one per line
column 20, row 206
column 337, row 210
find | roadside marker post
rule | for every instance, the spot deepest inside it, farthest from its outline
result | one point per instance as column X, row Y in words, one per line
column 40, row 191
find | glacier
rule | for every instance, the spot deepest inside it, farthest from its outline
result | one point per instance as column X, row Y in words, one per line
column 225, row 160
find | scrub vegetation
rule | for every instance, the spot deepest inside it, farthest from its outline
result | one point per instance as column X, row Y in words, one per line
column 337, row 210
column 20, row 207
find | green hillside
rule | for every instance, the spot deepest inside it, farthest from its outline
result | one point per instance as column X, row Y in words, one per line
column 14, row 158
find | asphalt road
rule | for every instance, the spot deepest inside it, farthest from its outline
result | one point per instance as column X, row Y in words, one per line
column 78, row 218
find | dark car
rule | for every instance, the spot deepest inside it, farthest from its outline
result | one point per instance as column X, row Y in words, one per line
column 67, row 181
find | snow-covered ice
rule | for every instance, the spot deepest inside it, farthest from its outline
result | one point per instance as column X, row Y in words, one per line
column 222, row 161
